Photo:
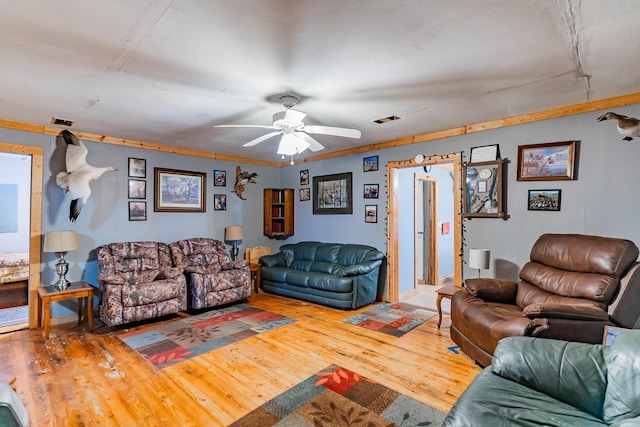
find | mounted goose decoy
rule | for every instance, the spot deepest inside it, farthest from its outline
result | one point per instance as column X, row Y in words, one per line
column 78, row 175
column 627, row 126
column 242, row 179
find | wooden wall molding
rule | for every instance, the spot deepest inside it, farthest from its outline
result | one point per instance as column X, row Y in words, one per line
column 569, row 110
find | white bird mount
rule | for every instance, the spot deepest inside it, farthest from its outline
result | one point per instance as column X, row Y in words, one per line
column 78, row 175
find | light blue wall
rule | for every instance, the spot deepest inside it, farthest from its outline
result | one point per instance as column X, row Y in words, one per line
column 601, row 201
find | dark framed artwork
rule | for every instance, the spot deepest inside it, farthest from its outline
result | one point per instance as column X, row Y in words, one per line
column 371, row 213
column 371, row 191
column 483, row 190
column 305, row 194
column 219, row 202
column 137, row 168
column 553, row 161
column 137, row 189
column 219, row 178
column 137, row 211
column 544, row 200
column 370, row 164
column 304, row 177
column 333, row 194
column 179, row 191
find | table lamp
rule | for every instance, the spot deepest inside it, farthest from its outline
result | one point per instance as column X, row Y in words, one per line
column 479, row 259
column 233, row 235
column 61, row 242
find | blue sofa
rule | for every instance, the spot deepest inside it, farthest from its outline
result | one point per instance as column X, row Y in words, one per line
column 344, row 276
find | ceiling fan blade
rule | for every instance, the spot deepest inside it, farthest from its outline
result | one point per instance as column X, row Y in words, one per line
column 245, row 126
column 259, row 139
column 335, row 131
column 294, row 116
column 313, row 144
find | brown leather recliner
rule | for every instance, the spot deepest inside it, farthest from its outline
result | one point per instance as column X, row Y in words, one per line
column 570, row 289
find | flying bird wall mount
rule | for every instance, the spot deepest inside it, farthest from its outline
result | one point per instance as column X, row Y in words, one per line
column 79, row 174
column 627, row 126
column 242, row 179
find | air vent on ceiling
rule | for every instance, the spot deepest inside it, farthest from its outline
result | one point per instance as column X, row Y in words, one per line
column 386, row 119
column 61, row 122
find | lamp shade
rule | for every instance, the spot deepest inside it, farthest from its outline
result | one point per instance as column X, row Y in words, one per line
column 60, row 241
column 233, row 233
column 479, row 258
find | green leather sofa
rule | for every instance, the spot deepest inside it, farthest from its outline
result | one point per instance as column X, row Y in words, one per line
column 545, row 382
column 344, row 276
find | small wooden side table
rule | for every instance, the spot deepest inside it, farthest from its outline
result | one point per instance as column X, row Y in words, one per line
column 255, row 277
column 445, row 292
column 49, row 294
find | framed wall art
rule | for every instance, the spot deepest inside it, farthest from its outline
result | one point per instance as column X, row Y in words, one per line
column 544, row 200
column 179, row 191
column 305, row 194
column 553, row 161
column 219, row 202
column 137, row 189
column 483, row 190
column 137, row 168
column 219, row 178
column 304, row 177
column 137, row 211
column 371, row 213
column 370, row 164
column 371, row 191
column 333, row 194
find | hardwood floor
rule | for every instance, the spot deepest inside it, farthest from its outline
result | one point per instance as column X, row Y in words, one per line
column 81, row 378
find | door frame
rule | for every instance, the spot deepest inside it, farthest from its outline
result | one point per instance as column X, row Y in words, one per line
column 392, row 216
column 35, row 223
column 430, row 230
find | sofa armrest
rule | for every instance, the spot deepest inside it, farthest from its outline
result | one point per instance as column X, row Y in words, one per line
column 493, row 290
column 170, row 273
column 234, row 265
column 556, row 368
column 199, row 269
column 564, row 311
column 111, row 279
column 357, row 269
column 275, row 260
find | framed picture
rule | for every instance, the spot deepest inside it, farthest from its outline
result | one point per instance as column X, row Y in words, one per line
column 371, row 191
column 370, row 164
column 304, row 177
column 137, row 189
column 371, row 213
column 486, row 153
column 610, row 334
column 179, row 191
column 219, row 202
column 553, row 161
column 137, row 168
column 483, row 189
column 219, row 178
column 332, row 194
column 305, row 194
column 137, row 211
column 544, row 200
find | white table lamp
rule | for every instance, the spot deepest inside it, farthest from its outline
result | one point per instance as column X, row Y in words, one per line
column 479, row 259
column 61, row 242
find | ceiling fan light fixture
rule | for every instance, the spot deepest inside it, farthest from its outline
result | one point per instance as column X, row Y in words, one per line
column 291, row 144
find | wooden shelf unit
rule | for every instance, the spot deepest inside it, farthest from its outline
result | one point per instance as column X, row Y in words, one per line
column 278, row 213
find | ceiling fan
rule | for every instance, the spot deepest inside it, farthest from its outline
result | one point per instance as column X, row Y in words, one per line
column 295, row 134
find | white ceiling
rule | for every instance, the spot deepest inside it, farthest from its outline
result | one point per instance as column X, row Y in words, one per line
column 166, row 71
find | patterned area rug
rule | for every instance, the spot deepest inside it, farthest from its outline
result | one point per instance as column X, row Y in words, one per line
column 336, row 396
column 393, row 318
column 179, row 340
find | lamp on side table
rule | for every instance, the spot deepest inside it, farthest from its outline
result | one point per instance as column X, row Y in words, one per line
column 61, row 242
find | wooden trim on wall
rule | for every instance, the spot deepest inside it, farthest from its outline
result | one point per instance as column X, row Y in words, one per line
column 35, row 223
column 553, row 113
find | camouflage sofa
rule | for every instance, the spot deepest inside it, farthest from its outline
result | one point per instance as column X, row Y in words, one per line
column 212, row 278
column 138, row 281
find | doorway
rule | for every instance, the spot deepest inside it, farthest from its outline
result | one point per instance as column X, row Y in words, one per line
column 395, row 218
column 31, row 232
column 425, row 219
